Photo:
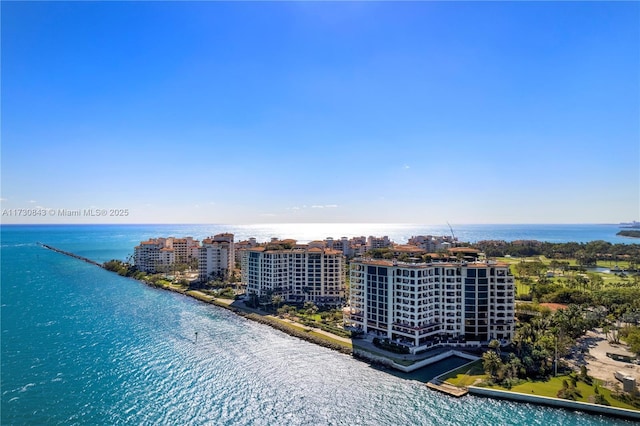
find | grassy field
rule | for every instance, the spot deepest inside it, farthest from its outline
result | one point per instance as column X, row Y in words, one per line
column 622, row 264
column 523, row 288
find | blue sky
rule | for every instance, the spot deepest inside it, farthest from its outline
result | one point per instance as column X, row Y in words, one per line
column 416, row 112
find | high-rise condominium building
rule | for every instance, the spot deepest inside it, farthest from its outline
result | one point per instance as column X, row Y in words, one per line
column 298, row 273
column 216, row 257
column 426, row 304
column 147, row 255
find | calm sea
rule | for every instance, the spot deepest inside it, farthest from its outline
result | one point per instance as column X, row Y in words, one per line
column 84, row 346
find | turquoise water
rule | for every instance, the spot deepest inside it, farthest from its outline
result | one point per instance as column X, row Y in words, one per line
column 83, row 346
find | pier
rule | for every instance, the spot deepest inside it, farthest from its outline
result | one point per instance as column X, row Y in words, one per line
column 446, row 388
column 67, row 253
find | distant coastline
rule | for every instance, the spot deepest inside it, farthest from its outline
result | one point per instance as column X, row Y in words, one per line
column 629, row 233
column 634, row 225
column 306, row 232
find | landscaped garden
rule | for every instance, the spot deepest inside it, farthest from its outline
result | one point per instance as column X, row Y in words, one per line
column 566, row 386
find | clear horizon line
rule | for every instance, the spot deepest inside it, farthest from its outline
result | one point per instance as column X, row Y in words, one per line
column 311, row 223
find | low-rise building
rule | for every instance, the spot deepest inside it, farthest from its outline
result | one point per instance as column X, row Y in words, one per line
column 430, row 243
column 378, row 242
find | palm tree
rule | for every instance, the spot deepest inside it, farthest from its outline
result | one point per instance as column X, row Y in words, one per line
column 310, row 308
column 276, row 300
column 491, row 363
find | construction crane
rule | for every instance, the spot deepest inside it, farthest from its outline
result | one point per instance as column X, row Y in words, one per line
column 453, row 237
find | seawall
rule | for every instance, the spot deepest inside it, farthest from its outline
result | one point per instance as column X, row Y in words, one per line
column 556, row 402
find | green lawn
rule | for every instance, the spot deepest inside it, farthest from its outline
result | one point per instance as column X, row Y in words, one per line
column 200, row 296
column 551, row 387
column 466, row 375
column 522, row 289
column 622, row 264
column 473, row 374
column 330, row 339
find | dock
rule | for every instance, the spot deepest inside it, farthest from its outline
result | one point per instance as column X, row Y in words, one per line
column 447, row 388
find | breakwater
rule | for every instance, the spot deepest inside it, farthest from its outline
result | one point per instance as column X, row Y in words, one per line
column 67, row 253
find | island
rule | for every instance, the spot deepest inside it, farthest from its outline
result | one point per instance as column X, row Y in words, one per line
column 629, row 233
column 552, row 323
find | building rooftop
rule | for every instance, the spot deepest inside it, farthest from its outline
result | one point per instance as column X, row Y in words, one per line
column 297, row 248
column 463, row 250
column 385, row 262
column 407, row 248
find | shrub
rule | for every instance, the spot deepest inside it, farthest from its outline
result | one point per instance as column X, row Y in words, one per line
column 387, row 345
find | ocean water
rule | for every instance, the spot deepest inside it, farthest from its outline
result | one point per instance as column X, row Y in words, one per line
column 80, row 345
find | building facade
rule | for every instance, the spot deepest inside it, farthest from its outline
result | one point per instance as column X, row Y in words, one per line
column 147, row 255
column 422, row 305
column 185, row 249
column 157, row 254
column 298, row 273
column 216, row 258
column 378, row 242
column 430, row 243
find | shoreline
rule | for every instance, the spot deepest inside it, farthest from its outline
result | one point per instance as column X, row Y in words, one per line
column 302, row 332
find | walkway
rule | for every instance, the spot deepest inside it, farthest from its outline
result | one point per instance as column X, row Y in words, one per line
column 242, row 307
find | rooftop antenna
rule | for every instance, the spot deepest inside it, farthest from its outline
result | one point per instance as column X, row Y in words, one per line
column 453, row 237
